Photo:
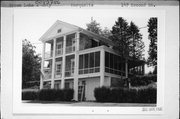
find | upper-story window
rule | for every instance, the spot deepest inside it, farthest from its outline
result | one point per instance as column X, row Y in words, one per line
column 59, row 30
column 70, row 43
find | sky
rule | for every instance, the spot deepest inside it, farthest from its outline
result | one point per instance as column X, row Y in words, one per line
column 31, row 24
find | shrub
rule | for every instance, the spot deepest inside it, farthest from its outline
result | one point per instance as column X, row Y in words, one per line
column 49, row 95
column 56, row 95
column 125, row 95
column 102, row 94
column 29, row 95
column 143, row 80
column 68, row 94
column 147, row 95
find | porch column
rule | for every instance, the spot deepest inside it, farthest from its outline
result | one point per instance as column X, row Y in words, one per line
column 102, row 66
column 53, row 63
column 143, row 71
column 42, row 66
column 126, row 68
column 76, row 67
column 63, row 62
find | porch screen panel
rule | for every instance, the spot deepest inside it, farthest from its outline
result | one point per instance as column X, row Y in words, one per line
column 86, row 63
column 81, row 64
column 97, row 61
column 114, row 64
column 92, row 63
column 89, row 63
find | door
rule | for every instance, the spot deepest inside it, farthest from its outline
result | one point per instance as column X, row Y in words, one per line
column 58, row 69
column 59, row 48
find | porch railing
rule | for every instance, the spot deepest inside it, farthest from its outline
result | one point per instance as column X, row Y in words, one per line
column 70, row 49
column 69, row 73
column 89, row 70
column 58, row 74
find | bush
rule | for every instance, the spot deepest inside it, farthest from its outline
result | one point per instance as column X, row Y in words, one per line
column 125, row 95
column 147, row 95
column 56, row 95
column 49, row 95
column 102, row 94
column 143, row 80
column 29, row 95
column 68, row 94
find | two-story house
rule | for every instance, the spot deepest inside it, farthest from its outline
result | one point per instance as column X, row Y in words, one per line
column 75, row 58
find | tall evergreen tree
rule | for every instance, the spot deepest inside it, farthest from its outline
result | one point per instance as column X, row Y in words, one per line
column 137, row 45
column 152, row 29
column 120, row 36
column 93, row 26
column 128, row 39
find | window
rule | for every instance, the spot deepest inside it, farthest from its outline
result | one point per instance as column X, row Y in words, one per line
column 59, row 30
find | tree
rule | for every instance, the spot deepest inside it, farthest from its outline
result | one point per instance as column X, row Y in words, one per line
column 30, row 64
column 128, row 39
column 152, row 29
column 93, row 26
column 106, row 32
column 120, row 36
column 136, row 43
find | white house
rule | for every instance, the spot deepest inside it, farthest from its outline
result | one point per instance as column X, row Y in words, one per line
column 73, row 57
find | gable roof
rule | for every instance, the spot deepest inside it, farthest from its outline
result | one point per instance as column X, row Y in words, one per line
column 75, row 28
